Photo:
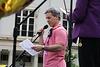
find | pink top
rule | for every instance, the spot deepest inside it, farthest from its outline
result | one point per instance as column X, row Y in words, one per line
column 56, row 59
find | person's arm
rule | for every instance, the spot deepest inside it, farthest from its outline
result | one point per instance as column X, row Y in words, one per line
column 80, row 11
column 50, row 48
column 41, row 41
column 54, row 48
column 60, row 40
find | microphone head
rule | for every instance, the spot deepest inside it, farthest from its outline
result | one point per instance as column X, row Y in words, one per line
column 45, row 27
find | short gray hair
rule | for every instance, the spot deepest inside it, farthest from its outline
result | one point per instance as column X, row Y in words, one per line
column 54, row 12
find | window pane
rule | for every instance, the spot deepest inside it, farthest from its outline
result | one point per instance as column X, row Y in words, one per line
column 24, row 27
column 4, row 57
column 64, row 16
column 28, row 59
column 30, row 27
column 25, row 13
column 64, row 23
column 18, row 27
column 25, row 22
column 40, row 59
column 18, row 19
column 18, row 13
column 32, row 15
column 23, row 33
column 31, row 21
column 30, row 33
column 65, row 27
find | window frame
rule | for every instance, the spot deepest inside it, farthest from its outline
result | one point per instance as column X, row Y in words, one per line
column 21, row 16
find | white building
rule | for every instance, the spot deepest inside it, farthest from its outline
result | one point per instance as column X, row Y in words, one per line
column 26, row 30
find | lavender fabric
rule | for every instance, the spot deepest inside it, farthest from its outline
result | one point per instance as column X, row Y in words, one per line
column 47, row 45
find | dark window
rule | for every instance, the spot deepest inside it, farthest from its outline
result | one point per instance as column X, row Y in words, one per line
column 23, row 33
column 64, row 21
column 32, row 14
column 27, row 28
column 25, row 12
column 65, row 24
column 40, row 59
column 31, row 21
column 27, row 58
column 19, row 13
column 4, row 57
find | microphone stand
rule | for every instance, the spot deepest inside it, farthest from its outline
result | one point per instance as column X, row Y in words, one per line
column 23, row 53
column 70, row 37
column 68, row 62
column 24, row 58
column 15, row 36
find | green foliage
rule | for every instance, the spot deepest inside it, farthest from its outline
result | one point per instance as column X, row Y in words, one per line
column 73, row 57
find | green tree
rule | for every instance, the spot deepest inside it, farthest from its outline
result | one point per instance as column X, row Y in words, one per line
column 73, row 57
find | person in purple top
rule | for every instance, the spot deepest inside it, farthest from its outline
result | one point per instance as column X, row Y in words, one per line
column 86, row 17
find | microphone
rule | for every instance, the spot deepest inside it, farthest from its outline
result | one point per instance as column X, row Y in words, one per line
column 45, row 27
column 39, row 33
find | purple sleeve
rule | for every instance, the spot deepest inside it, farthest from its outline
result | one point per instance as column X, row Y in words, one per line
column 80, row 11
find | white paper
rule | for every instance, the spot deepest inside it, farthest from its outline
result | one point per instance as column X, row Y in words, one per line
column 26, row 45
